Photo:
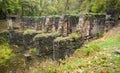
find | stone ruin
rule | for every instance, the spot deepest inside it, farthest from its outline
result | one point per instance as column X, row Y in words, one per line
column 65, row 46
column 59, row 36
column 13, row 22
column 68, row 24
column 51, row 24
column 40, row 23
column 45, row 40
column 35, row 23
column 91, row 25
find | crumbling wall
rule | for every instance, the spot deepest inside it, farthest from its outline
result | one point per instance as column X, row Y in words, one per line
column 72, row 23
column 35, row 23
column 44, row 42
column 41, row 23
column 65, row 46
column 28, row 36
column 16, row 37
column 56, row 23
column 91, row 25
column 68, row 24
column 60, row 42
column 52, row 24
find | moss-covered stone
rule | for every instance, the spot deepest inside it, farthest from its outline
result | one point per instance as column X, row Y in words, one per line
column 16, row 37
column 30, row 32
column 28, row 36
column 65, row 46
column 44, row 42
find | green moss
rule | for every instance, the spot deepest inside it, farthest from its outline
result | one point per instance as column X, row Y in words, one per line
column 30, row 32
column 69, row 37
column 46, row 35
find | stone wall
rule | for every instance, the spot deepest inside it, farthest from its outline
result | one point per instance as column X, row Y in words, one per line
column 52, row 24
column 91, row 25
column 16, row 37
column 65, row 46
column 41, row 23
column 68, row 24
column 44, row 43
column 28, row 36
column 57, row 38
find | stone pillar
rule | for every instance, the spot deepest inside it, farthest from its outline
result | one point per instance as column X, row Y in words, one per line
column 91, row 25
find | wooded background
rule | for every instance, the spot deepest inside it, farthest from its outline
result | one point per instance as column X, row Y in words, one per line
column 55, row 7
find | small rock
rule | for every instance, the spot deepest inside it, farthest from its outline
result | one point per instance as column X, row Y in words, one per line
column 117, row 51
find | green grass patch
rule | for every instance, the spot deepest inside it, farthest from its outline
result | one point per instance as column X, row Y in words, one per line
column 111, row 42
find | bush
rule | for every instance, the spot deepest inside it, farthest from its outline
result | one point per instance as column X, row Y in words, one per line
column 99, row 6
column 5, row 53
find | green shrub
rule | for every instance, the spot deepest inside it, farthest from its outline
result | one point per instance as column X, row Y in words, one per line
column 5, row 53
column 99, row 6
